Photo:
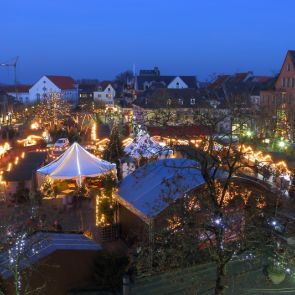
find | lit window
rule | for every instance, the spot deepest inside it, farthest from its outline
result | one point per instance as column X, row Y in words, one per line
column 180, row 101
column 193, row 101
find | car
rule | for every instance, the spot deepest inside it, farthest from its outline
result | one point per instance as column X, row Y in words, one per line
column 61, row 144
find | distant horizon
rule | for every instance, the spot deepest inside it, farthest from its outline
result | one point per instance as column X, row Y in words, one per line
column 205, row 79
column 97, row 40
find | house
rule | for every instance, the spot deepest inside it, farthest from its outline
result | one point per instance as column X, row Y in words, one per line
column 164, row 107
column 145, row 196
column 105, row 94
column 279, row 97
column 19, row 92
column 7, row 106
column 86, row 90
column 52, row 262
column 64, row 86
column 148, row 79
column 24, row 172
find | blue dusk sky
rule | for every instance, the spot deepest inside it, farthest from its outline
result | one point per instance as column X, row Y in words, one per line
column 99, row 39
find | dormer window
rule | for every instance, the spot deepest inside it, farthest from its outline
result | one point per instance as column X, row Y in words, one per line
column 193, row 101
column 180, row 101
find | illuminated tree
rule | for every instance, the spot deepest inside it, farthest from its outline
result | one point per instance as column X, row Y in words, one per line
column 229, row 215
column 114, row 150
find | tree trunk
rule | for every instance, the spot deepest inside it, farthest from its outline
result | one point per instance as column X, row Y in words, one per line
column 220, row 280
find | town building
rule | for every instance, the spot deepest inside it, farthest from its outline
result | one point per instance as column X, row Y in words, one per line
column 105, row 94
column 153, row 79
column 173, row 109
column 19, row 92
column 278, row 100
column 64, row 86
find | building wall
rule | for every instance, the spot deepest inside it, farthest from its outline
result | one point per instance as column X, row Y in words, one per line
column 43, row 87
column 24, row 97
column 106, row 96
column 70, row 94
column 59, row 272
column 177, row 83
column 131, row 225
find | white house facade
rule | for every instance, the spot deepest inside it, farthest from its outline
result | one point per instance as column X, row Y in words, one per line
column 47, row 85
column 105, row 94
column 177, row 83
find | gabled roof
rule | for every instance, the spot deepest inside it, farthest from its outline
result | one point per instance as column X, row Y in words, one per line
column 150, row 188
column 292, row 54
column 62, row 82
column 26, row 168
column 218, row 82
column 15, row 88
column 42, row 244
column 104, row 84
column 190, row 81
column 178, row 98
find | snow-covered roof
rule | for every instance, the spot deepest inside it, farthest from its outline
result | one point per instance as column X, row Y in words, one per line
column 146, row 189
column 145, row 146
column 75, row 163
column 42, row 244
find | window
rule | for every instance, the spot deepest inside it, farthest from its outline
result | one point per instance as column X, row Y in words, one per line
column 109, row 89
column 284, row 82
column 288, row 82
column 180, row 101
column 288, row 67
column 177, row 84
column 273, row 100
column 193, row 101
column 169, row 101
column 293, row 82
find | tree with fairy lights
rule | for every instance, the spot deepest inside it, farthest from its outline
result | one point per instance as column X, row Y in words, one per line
column 105, row 202
column 282, row 128
column 224, row 218
column 114, row 150
column 18, row 245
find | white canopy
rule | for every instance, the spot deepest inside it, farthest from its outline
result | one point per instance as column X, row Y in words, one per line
column 145, row 146
column 76, row 163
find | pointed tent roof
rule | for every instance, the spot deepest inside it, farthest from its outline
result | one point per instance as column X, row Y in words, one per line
column 145, row 146
column 75, row 163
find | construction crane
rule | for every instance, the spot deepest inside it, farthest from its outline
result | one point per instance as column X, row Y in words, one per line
column 14, row 69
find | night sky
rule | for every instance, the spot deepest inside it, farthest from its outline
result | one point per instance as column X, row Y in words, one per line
column 98, row 39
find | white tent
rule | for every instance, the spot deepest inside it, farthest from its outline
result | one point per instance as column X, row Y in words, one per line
column 76, row 163
column 145, row 146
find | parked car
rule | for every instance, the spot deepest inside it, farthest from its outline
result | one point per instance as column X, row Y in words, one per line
column 61, row 144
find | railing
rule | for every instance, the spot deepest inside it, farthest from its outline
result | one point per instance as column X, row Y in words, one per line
column 109, row 233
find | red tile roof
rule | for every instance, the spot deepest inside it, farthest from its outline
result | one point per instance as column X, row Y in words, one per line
column 219, row 81
column 262, row 79
column 179, row 131
column 239, row 77
column 62, row 82
column 14, row 88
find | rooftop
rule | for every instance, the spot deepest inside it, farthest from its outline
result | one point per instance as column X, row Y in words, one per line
column 26, row 167
column 42, row 244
